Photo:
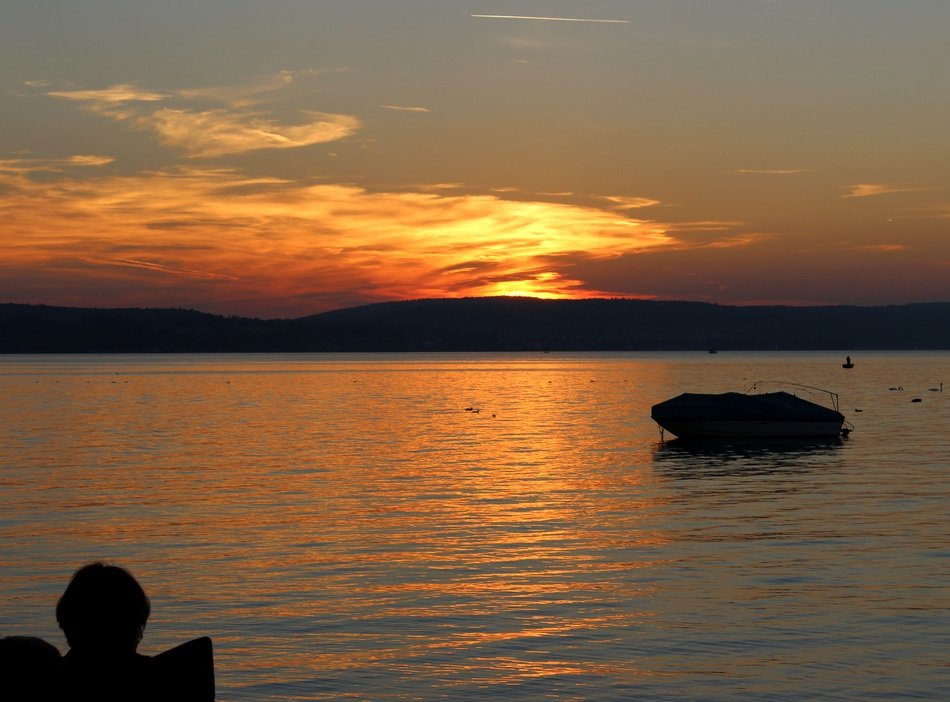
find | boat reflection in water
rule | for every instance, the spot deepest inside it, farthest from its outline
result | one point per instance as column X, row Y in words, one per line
column 685, row 458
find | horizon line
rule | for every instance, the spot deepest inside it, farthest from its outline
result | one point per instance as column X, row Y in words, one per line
column 481, row 297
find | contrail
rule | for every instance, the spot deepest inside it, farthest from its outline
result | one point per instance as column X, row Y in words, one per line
column 554, row 19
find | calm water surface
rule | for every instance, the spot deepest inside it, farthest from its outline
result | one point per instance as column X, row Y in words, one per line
column 345, row 527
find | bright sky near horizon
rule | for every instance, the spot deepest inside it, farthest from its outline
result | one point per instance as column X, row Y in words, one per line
column 281, row 158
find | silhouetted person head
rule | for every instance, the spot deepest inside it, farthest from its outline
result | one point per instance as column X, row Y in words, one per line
column 103, row 610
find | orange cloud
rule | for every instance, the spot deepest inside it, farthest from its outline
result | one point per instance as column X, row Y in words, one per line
column 883, row 248
column 216, row 239
column 113, row 95
column 25, row 166
column 219, row 132
column 623, row 202
column 771, row 171
column 89, row 160
column 874, row 189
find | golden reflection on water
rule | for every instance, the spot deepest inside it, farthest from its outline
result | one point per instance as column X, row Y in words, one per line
column 356, row 529
column 363, row 497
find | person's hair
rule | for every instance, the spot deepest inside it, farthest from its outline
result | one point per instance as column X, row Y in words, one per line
column 103, row 607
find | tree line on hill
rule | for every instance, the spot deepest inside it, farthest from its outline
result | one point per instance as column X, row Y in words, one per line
column 480, row 324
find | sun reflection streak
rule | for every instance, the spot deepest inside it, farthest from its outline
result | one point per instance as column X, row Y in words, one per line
column 342, row 522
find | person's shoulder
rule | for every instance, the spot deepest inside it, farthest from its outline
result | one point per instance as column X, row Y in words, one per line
column 29, row 668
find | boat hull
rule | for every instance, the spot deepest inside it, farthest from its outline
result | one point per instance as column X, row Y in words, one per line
column 725, row 429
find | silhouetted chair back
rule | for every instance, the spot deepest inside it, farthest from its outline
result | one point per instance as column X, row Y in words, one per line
column 181, row 674
column 186, row 672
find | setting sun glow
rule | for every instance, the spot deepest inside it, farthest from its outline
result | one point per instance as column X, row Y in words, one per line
column 343, row 157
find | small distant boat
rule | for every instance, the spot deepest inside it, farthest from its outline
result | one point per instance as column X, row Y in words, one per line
column 745, row 415
column 847, row 362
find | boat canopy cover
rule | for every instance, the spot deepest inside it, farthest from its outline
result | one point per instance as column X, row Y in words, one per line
column 736, row 406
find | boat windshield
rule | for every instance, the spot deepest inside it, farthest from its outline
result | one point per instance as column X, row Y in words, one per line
column 762, row 386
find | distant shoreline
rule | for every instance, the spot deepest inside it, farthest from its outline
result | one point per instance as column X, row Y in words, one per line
column 482, row 325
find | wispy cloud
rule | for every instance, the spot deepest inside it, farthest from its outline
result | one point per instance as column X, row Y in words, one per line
column 219, row 132
column 883, row 248
column 772, row 171
column 212, row 132
column 875, row 189
column 113, row 95
column 554, row 19
column 939, row 211
column 89, row 160
column 169, row 270
column 24, row 166
column 404, row 108
column 437, row 187
column 712, row 234
column 257, row 91
column 624, row 202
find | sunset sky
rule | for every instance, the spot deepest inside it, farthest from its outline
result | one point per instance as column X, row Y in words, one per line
column 280, row 158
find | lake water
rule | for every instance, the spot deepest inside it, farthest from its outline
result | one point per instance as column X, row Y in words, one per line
column 348, row 527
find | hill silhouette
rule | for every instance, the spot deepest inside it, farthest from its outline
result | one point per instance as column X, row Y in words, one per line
column 481, row 324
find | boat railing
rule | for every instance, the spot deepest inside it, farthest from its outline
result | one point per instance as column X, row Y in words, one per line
column 832, row 396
